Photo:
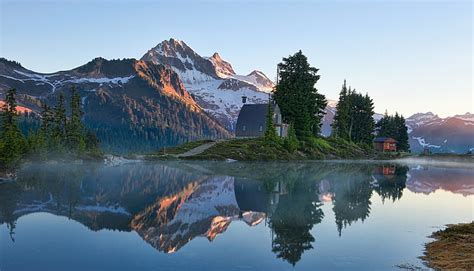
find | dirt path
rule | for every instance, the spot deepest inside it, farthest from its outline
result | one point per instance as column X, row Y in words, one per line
column 197, row 150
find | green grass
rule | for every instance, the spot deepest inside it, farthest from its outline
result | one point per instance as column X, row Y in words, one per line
column 256, row 149
column 245, row 149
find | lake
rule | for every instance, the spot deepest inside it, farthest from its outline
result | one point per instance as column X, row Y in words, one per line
column 228, row 216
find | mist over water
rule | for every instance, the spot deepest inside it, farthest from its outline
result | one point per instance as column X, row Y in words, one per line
column 217, row 215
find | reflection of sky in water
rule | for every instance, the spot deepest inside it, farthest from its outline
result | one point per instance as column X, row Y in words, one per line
column 382, row 220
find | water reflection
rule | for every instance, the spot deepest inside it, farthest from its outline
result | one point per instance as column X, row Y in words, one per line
column 170, row 204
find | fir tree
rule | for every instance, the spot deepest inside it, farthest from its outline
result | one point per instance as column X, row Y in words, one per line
column 291, row 142
column 75, row 128
column 403, row 143
column 340, row 126
column 298, row 99
column 270, row 131
column 92, row 142
column 60, row 121
column 47, row 126
column 13, row 143
column 354, row 116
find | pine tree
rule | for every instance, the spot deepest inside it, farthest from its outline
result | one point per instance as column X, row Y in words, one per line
column 340, row 126
column 270, row 131
column 47, row 126
column 13, row 143
column 75, row 129
column 291, row 142
column 354, row 117
column 298, row 99
column 92, row 142
column 367, row 121
column 403, row 143
column 60, row 122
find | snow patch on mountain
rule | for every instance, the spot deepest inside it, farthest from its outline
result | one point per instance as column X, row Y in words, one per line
column 224, row 104
column 65, row 79
column 422, row 142
column 102, row 80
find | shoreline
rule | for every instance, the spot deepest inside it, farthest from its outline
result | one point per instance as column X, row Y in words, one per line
column 452, row 248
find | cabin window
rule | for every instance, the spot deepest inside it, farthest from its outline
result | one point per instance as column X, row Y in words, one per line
column 261, row 128
column 243, row 128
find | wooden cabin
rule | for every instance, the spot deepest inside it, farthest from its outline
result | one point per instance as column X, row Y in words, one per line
column 252, row 121
column 386, row 170
column 385, row 144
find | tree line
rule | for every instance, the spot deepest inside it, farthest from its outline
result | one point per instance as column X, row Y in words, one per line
column 58, row 132
column 394, row 127
column 354, row 116
column 303, row 108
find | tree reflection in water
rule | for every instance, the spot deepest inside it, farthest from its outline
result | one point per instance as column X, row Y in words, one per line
column 297, row 212
column 156, row 199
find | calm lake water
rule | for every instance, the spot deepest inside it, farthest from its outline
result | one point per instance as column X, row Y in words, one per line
column 227, row 216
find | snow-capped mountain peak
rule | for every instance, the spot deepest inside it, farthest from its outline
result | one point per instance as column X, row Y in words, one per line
column 211, row 80
column 223, row 69
column 468, row 117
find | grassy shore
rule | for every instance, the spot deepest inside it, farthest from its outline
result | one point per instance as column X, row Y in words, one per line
column 453, row 248
column 256, row 149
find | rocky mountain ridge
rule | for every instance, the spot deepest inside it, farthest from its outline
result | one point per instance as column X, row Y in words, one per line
column 130, row 104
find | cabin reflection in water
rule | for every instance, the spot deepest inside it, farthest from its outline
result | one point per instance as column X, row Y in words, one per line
column 386, row 170
column 252, row 195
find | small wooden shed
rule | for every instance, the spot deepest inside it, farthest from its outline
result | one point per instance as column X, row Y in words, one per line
column 385, row 144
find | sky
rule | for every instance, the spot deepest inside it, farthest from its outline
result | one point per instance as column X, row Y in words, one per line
column 410, row 56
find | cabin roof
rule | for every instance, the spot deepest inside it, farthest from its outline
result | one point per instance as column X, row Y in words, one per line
column 252, row 116
column 384, row 139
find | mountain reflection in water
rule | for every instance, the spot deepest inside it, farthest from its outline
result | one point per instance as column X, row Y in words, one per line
column 170, row 204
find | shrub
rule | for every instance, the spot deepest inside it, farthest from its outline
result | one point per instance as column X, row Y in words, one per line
column 291, row 142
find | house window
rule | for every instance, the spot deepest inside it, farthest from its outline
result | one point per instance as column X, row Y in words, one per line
column 261, row 128
column 243, row 128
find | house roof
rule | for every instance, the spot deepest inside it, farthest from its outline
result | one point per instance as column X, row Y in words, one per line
column 384, row 139
column 252, row 116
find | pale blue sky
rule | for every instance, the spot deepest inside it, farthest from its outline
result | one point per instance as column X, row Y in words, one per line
column 411, row 56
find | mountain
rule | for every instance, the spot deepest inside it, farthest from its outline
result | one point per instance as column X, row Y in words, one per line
column 130, row 104
column 199, row 209
column 455, row 180
column 451, row 134
column 211, row 80
column 168, row 207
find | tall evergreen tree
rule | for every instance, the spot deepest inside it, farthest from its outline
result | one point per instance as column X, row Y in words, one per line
column 354, row 116
column 75, row 128
column 47, row 126
column 340, row 126
column 297, row 97
column 270, row 131
column 291, row 142
column 60, row 122
column 403, row 143
column 13, row 143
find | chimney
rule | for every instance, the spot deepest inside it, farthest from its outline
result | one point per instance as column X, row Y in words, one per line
column 244, row 99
